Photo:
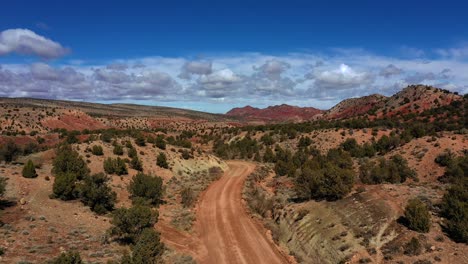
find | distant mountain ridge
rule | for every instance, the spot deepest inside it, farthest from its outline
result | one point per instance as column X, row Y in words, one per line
column 277, row 113
column 412, row 99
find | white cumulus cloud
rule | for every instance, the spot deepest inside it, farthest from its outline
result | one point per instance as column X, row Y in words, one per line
column 25, row 41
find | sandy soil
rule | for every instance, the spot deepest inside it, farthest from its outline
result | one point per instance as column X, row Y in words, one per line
column 224, row 231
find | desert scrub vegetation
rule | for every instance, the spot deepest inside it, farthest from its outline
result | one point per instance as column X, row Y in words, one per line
column 72, row 181
column 188, row 196
column 29, row 171
column 329, row 177
column 147, row 249
column 417, row 216
column 9, row 151
column 393, row 170
column 161, row 161
column 71, row 257
column 115, row 166
column 455, row 210
column 257, row 199
column 97, row 194
column 118, row 150
column 68, row 168
column 3, row 184
column 97, row 150
column 129, row 223
column 454, row 206
column 146, row 189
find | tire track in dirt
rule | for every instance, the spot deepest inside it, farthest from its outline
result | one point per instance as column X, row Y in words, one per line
column 224, row 231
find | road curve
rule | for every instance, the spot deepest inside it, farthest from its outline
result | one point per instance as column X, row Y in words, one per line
column 225, row 229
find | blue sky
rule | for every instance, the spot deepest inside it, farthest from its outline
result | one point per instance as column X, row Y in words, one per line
column 214, row 55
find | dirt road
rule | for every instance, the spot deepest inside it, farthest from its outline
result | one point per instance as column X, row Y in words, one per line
column 224, row 231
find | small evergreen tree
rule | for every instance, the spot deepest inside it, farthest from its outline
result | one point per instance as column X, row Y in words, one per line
column 146, row 187
column 136, row 164
column 455, row 210
column 129, row 223
column 64, row 186
column 148, row 248
column 417, row 216
column 160, row 143
column 69, row 161
column 96, row 193
column 161, row 161
column 115, row 166
column 97, row 150
column 29, row 171
column 118, row 150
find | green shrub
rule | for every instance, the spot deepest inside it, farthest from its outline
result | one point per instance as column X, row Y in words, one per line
column 71, row 257
column 69, row 161
column 146, row 187
column 115, row 166
column 3, row 183
column 97, row 194
column 417, row 216
column 413, row 247
column 29, row 171
column 329, row 182
column 64, row 186
column 9, row 151
column 118, row 150
column 68, row 168
column 161, row 161
column 394, row 170
column 148, row 248
column 129, row 223
column 444, row 159
column 97, row 150
column 268, row 156
column 140, row 140
column 160, row 143
column 136, row 164
column 455, row 210
column 132, row 152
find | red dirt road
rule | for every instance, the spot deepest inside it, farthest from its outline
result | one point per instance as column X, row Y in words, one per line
column 224, row 231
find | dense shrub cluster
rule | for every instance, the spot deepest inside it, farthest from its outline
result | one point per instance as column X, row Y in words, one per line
column 72, row 181
column 244, row 148
column 417, row 216
column 97, row 194
column 159, row 142
column 161, row 161
column 9, row 150
column 455, row 201
column 146, row 189
column 129, row 223
column 97, row 150
column 325, row 177
column 68, row 168
column 118, row 150
column 147, row 249
column 456, row 167
column 115, row 166
column 393, row 170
